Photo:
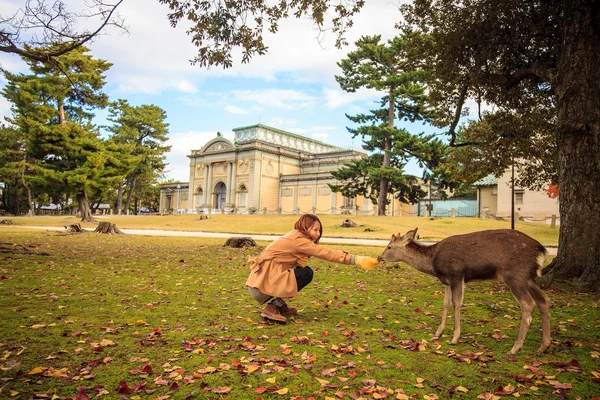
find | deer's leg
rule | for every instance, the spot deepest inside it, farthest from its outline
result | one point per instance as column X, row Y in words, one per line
column 521, row 293
column 457, row 289
column 447, row 303
column 543, row 304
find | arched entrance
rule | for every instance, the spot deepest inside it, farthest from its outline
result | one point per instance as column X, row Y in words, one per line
column 220, row 192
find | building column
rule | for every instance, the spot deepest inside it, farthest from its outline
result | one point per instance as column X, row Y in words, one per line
column 205, row 192
column 209, row 186
column 228, row 184
column 191, row 185
column 233, row 182
column 160, row 202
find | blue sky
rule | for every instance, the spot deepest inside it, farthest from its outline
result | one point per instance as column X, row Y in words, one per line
column 292, row 88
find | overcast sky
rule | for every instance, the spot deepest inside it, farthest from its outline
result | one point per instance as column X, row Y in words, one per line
column 292, row 88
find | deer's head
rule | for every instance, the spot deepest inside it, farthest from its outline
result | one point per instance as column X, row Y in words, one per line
column 395, row 249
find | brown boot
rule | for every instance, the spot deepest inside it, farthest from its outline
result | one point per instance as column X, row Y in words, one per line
column 284, row 309
column 271, row 312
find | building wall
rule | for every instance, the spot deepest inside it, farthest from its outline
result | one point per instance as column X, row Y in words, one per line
column 488, row 201
column 535, row 205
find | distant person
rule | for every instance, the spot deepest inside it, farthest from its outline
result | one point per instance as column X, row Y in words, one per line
column 281, row 270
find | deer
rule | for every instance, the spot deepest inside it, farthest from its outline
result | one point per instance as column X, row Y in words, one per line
column 504, row 254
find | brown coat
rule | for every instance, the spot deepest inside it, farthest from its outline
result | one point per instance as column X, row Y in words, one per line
column 273, row 270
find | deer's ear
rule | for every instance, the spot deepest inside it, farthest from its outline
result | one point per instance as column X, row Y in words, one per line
column 393, row 237
column 410, row 235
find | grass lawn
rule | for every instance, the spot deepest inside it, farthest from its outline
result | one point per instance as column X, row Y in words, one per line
column 99, row 316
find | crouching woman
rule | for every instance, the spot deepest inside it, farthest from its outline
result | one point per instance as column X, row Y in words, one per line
column 281, row 270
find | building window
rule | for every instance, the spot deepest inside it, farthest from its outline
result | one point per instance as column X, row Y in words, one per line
column 304, row 192
column 348, row 202
column 324, row 191
column 242, row 194
column 519, row 197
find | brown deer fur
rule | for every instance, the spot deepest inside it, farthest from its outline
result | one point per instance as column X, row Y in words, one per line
column 504, row 254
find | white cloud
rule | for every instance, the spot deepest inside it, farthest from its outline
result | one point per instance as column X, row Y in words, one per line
column 283, row 123
column 336, row 98
column 182, row 144
column 186, row 87
column 236, row 110
column 278, row 98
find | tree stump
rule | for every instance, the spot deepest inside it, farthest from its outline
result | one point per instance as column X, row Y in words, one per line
column 107, row 227
column 348, row 223
column 203, row 217
column 73, row 228
column 239, row 242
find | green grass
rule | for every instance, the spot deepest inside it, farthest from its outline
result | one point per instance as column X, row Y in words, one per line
column 368, row 226
column 156, row 317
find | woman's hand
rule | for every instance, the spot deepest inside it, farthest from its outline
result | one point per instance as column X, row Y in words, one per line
column 367, row 263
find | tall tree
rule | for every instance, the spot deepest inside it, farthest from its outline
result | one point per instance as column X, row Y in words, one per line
column 504, row 51
column 60, row 138
column 13, row 168
column 386, row 67
column 40, row 31
column 145, row 129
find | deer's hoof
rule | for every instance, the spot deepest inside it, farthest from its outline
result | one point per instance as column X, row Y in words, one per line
column 543, row 349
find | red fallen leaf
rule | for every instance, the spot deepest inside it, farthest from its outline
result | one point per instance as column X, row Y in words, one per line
column 559, row 364
column 417, row 310
column 124, row 388
column 505, row 390
column 81, row 394
column 147, row 369
column 174, row 386
column 260, row 390
column 139, row 386
column 574, row 363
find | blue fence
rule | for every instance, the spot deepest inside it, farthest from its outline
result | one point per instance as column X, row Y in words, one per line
column 443, row 208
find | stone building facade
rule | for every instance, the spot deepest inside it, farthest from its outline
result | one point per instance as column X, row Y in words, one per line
column 264, row 170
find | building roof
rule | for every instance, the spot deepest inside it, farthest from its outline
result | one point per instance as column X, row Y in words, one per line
column 489, row 180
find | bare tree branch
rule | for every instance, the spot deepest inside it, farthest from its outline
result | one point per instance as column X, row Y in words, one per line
column 41, row 31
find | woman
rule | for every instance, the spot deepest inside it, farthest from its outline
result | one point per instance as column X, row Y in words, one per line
column 281, row 270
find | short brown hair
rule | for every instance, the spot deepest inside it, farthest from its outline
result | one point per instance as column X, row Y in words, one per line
column 306, row 222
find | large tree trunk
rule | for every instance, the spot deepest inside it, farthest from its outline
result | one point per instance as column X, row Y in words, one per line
column 29, row 197
column 578, row 139
column 130, row 193
column 387, row 160
column 84, row 208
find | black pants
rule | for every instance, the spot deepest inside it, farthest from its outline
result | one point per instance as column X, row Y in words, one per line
column 304, row 276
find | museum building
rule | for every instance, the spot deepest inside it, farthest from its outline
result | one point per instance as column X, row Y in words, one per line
column 265, row 170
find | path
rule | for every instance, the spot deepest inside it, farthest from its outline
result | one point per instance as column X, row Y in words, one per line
column 268, row 238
